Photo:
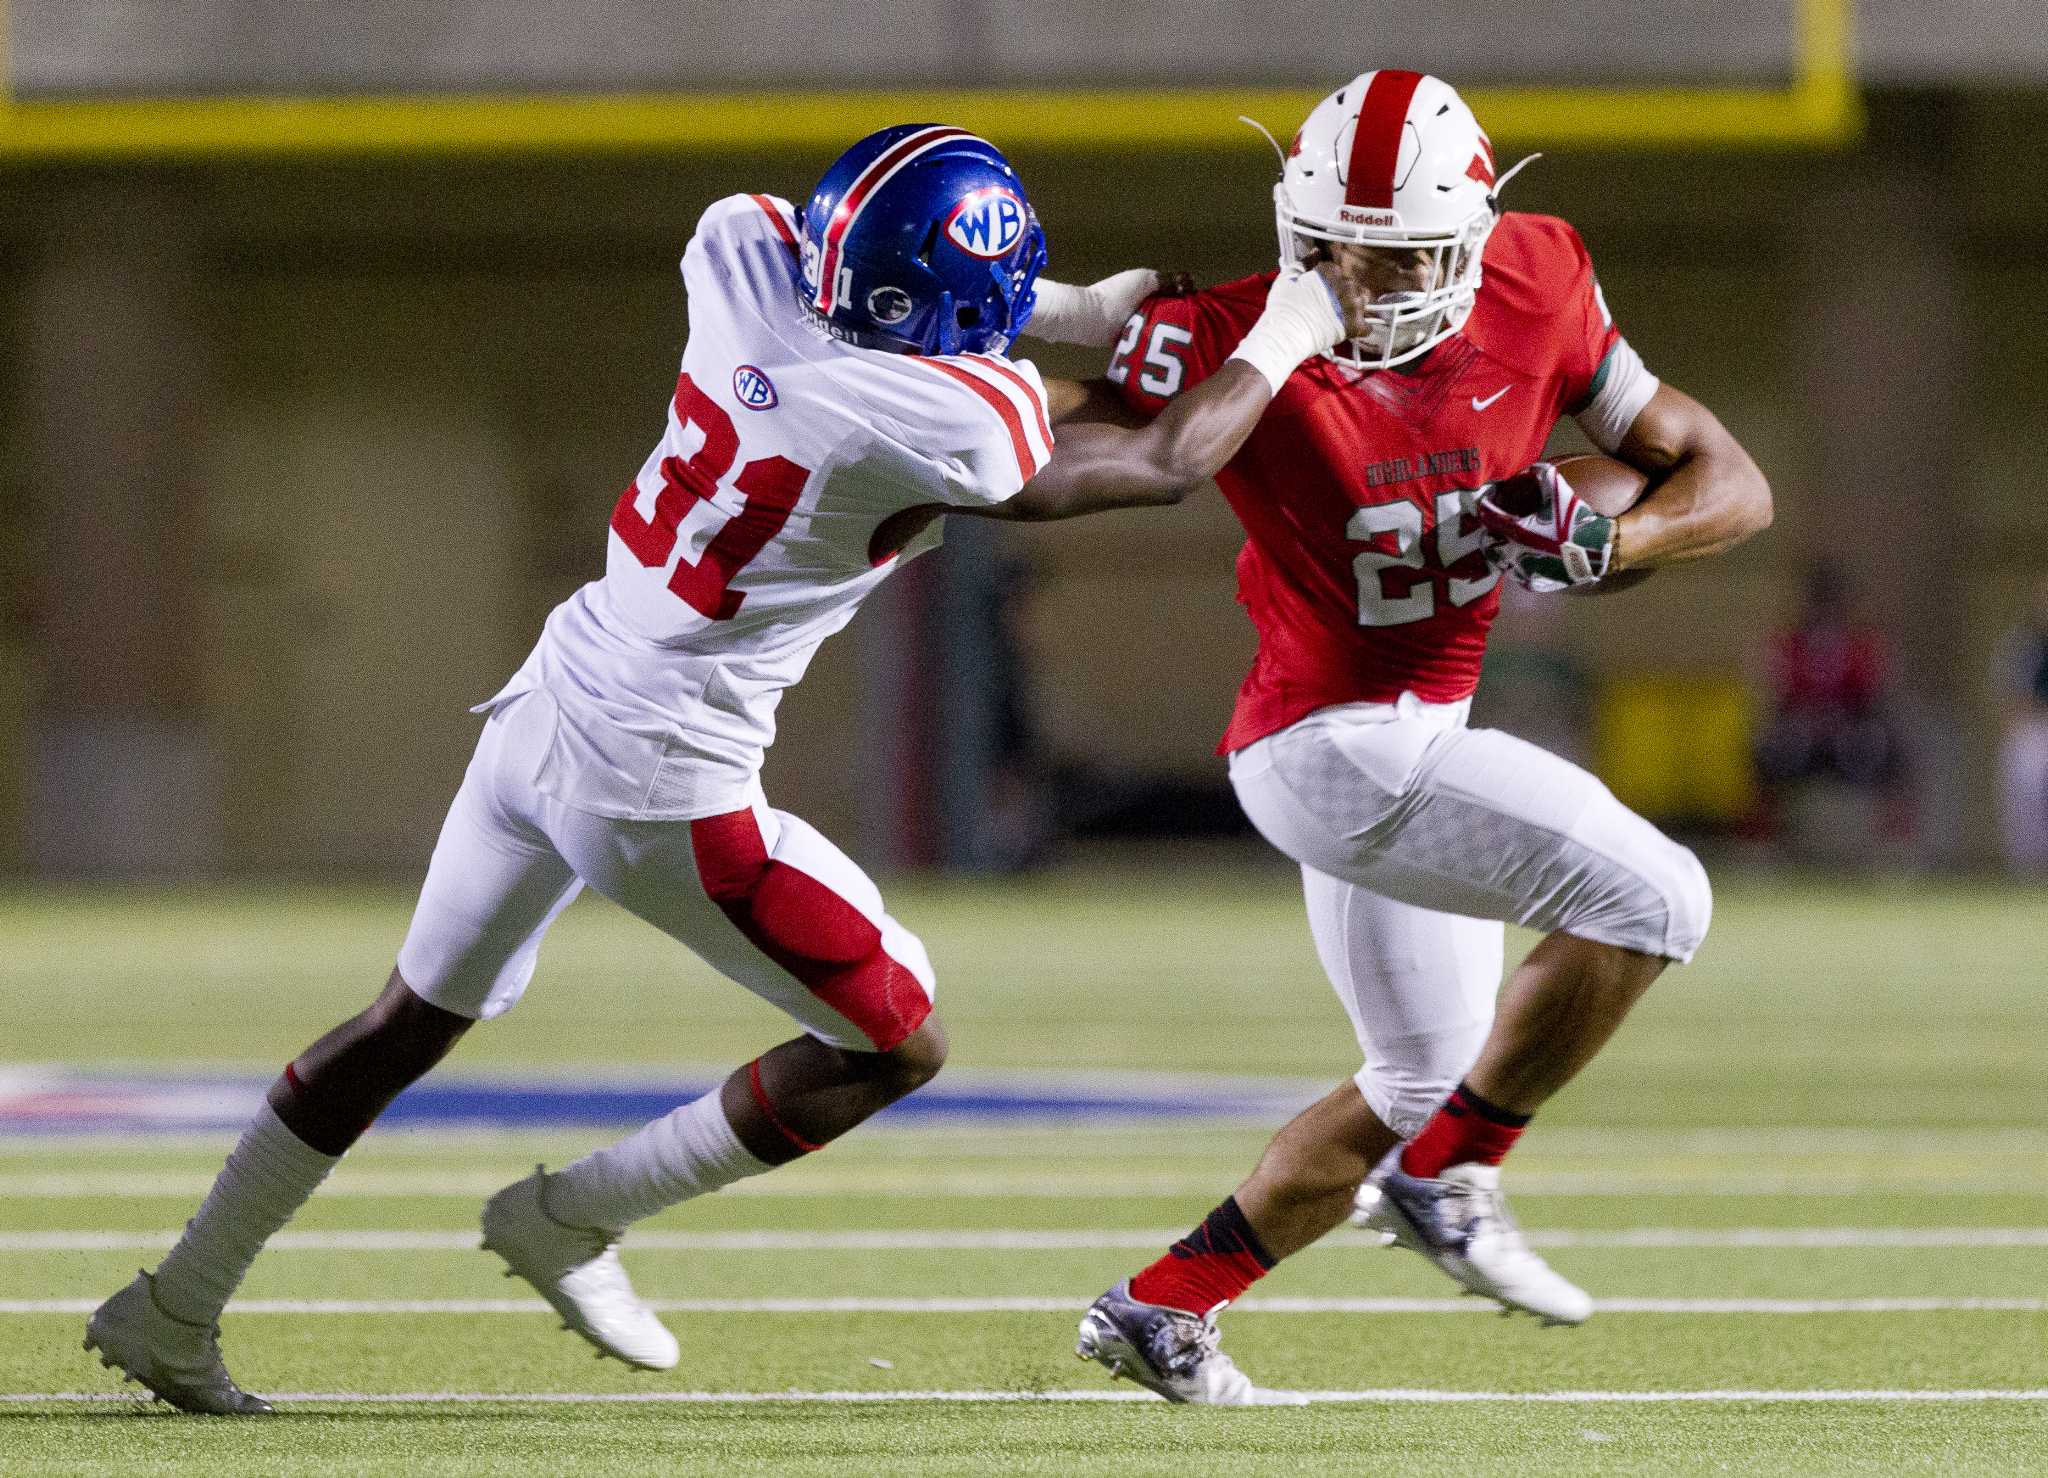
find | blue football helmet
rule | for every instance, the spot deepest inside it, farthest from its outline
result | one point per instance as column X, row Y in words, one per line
column 919, row 240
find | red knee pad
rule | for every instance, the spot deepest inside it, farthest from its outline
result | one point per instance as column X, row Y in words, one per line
column 807, row 929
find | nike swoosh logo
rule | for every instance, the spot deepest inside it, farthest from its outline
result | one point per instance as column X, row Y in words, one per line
column 1480, row 405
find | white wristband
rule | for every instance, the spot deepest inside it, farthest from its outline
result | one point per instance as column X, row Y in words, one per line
column 1094, row 315
column 1301, row 319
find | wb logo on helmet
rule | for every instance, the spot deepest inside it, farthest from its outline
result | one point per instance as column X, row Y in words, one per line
column 988, row 223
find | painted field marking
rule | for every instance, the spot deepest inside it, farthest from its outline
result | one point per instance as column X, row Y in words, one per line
column 1068, row 1304
column 1819, row 1239
column 1121, row 1138
column 861, row 1181
column 1391, row 1396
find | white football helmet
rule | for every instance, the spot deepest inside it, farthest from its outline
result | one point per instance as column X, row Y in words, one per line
column 1395, row 159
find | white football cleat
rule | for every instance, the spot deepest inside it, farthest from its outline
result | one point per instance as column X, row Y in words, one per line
column 1459, row 1221
column 577, row 1270
column 177, row 1362
column 1169, row 1351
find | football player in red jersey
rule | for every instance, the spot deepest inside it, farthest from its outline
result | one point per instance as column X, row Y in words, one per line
column 1376, row 541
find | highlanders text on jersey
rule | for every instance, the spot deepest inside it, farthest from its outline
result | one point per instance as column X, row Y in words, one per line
column 748, row 536
column 1361, row 569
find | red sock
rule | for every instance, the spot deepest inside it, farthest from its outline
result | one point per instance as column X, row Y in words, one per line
column 1211, row 1265
column 1466, row 1130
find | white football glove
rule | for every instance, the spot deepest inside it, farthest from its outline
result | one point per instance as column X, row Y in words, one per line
column 1542, row 533
column 1302, row 318
column 1094, row 315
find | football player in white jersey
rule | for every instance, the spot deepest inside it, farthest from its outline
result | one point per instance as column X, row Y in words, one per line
column 844, row 385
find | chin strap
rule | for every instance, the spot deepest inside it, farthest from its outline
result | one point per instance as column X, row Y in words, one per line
column 1493, row 195
column 1267, row 133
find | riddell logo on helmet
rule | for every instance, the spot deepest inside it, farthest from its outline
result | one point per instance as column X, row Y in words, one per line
column 1352, row 216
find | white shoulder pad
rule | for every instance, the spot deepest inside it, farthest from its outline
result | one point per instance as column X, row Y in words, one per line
column 741, row 221
column 975, row 425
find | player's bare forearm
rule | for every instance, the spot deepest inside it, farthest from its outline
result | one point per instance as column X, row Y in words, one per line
column 1707, row 494
column 1099, row 465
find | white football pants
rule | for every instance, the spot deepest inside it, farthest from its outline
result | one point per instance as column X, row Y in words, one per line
column 758, row 894
column 1417, row 837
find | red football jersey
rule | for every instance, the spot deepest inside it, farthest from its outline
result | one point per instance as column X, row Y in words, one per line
column 1361, row 569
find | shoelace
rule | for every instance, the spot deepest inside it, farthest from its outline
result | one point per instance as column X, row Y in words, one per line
column 1197, row 1342
column 1483, row 1207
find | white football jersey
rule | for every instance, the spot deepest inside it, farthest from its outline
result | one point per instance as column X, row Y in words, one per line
column 749, row 535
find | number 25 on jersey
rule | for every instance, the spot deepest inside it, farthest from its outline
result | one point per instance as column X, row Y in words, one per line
column 1403, row 585
column 768, row 492
column 1162, row 368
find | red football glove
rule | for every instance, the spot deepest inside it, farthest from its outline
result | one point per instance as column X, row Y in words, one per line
column 1541, row 532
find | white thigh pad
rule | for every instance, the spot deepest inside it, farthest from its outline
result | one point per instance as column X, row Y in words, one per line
column 1418, row 985
column 496, row 882
column 1486, row 825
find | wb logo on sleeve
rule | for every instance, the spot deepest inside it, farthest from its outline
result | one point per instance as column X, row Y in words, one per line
column 753, row 389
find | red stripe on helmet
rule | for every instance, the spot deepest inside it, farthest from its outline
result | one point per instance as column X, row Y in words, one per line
column 1376, row 142
column 865, row 184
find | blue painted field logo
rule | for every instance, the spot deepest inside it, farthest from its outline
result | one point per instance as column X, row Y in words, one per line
column 988, row 223
column 753, row 389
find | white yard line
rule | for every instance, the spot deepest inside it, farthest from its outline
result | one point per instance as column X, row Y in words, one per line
column 997, row 1239
column 1111, row 1139
column 867, row 1181
column 1791, row 1238
column 1391, row 1396
column 1068, row 1304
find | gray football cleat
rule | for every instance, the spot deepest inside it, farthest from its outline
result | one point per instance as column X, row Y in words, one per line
column 1459, row 1220
column 1169, row 1351
column 175, row 1361
column 577, row 1270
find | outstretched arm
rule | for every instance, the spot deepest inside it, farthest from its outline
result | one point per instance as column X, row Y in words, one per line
column 1094, row 315
column 1706, row 495
column 1099, row 464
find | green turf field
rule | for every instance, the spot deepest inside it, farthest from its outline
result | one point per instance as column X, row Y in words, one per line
column 1814, row 1166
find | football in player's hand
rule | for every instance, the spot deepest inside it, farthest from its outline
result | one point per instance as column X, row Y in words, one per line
column 1610, row 487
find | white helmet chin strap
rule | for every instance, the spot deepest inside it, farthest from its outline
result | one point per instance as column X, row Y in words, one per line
column 1500, row 184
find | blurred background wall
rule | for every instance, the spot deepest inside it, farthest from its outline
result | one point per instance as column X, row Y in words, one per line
column 150, row 46
column 296, row 450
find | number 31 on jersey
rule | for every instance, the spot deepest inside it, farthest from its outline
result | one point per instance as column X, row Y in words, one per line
column 768, row 487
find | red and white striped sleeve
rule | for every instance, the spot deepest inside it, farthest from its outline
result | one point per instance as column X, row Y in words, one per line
column 985, row 425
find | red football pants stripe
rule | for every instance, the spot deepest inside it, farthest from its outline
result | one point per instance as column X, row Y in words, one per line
column 807, row 929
